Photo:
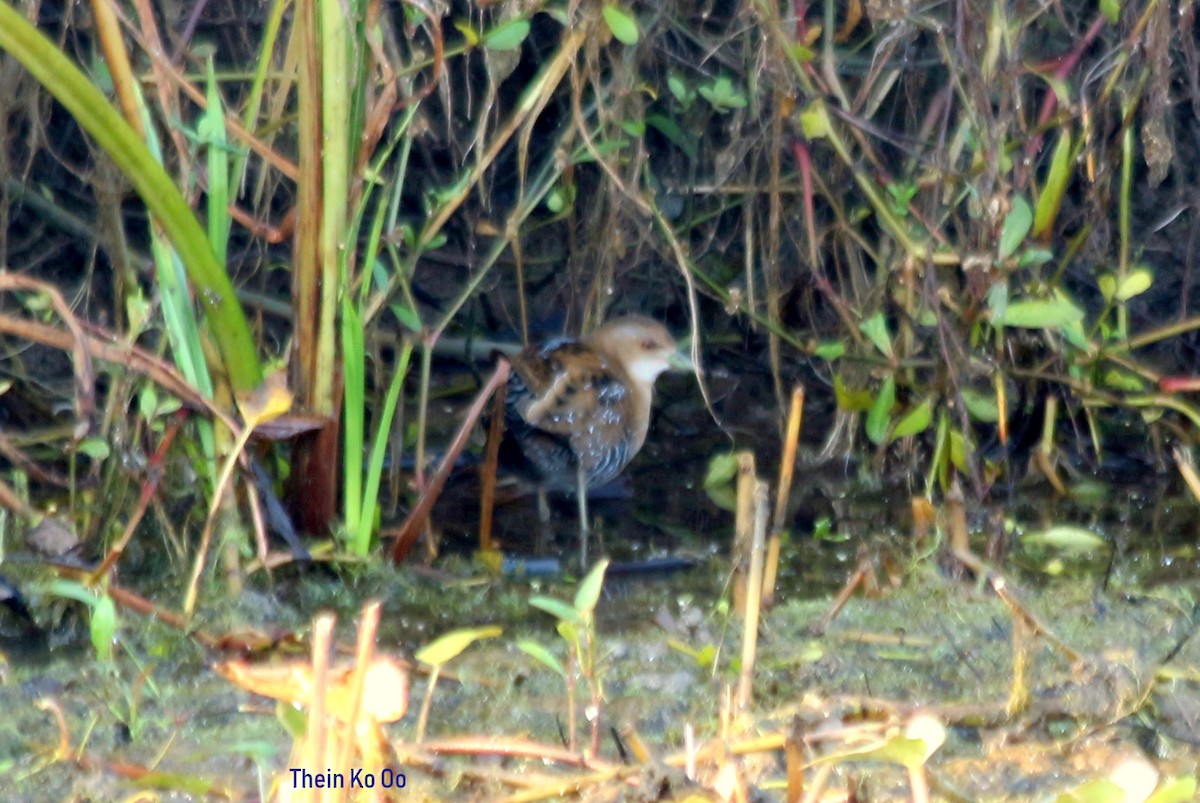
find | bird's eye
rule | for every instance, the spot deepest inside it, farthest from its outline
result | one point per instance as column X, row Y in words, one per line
column 649, row 345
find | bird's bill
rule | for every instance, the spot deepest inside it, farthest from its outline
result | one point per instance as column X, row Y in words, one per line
column 681, row 361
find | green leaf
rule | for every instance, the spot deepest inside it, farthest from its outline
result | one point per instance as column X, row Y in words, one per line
column 1056, row 186
column 1108, row 287
column 723, row 496
column 634, row 128
column 997, row 300
column 569, row 632
column 1068, row 538
column 914, row 422
column 681, row 90
column 901, row 194
column 104, row 627
column 911, row 748
column 958, row 452
column 588, row 593
column 294, row 720
column 981, row 406
column 1111, row 9
column 469, row 33
column 1032, row 257
column 852, row 400
column 1123, row 381
column 1040, row 313
column 147, row 402
column 624, row 27
column 1136, row 282
column 555, row 607
column 1073, row 333
column 674, row 134
column 830, row 350
column 71, row 589
column 542, row 655
column 881, row 411
column 1016, row 226
column 721, row 470
column 803, row 53
column 93, row 447
column 51, row 67
column 1175, row 790
column 1097, row 790
column 408, row 317
column 722, row 95
column 823, row 531
column 814, row 121
column 876, row 330
column 449, row 646
column 507, row 35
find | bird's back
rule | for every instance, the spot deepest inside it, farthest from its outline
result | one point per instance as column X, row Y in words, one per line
column 566, row 406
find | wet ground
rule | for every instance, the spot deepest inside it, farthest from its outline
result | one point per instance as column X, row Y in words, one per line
column 1090, row 664
column 1126, row 607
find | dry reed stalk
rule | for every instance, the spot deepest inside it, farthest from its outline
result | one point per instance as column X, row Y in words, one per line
column 743, row 534
column 487, row 477
column 787, row 467
column 753, row 598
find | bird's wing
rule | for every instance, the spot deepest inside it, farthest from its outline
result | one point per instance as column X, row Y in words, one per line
column 567, row 389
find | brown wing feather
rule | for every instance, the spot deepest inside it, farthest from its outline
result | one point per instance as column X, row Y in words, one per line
column 569, row 387
column 571, row 392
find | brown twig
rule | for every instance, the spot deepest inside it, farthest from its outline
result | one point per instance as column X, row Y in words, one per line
column 406, row 535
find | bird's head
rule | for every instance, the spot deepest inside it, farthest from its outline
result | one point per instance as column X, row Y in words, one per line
column 641, row 346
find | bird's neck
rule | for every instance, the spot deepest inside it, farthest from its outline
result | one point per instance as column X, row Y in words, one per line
column 641, row 395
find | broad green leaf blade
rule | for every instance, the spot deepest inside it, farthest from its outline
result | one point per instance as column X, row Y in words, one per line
column 1056, row 186
column 1108, row 287
column 876, row 330
column 1175, row 790
column 721, row 469
column 588, row 593
column 915, row 421
column 881, row 412
column 555, row 607
column 542, row 655
column 104, row 627
column 981, row 406
column 670, row 129
column 448, row 647
column 1016, row 226
column 1040, row 313
column 55, row 71
column 1068, row 538
column 830, row 350
column 507, row 35
column 624, row 27
column 1137, row 282
column 852, row 400
column 814, row 121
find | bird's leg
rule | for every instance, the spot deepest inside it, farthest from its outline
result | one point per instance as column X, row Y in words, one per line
column 543, row 535
column 581, row 498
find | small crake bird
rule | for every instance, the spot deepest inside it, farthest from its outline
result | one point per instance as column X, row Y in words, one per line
column 577, row 411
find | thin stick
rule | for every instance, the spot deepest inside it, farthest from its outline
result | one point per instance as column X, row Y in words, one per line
column 487, row 492
column 412, row 526
column 743, row 529
column 364, row 649
column 317, row 735
column 787, row 467
column 753, row 598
